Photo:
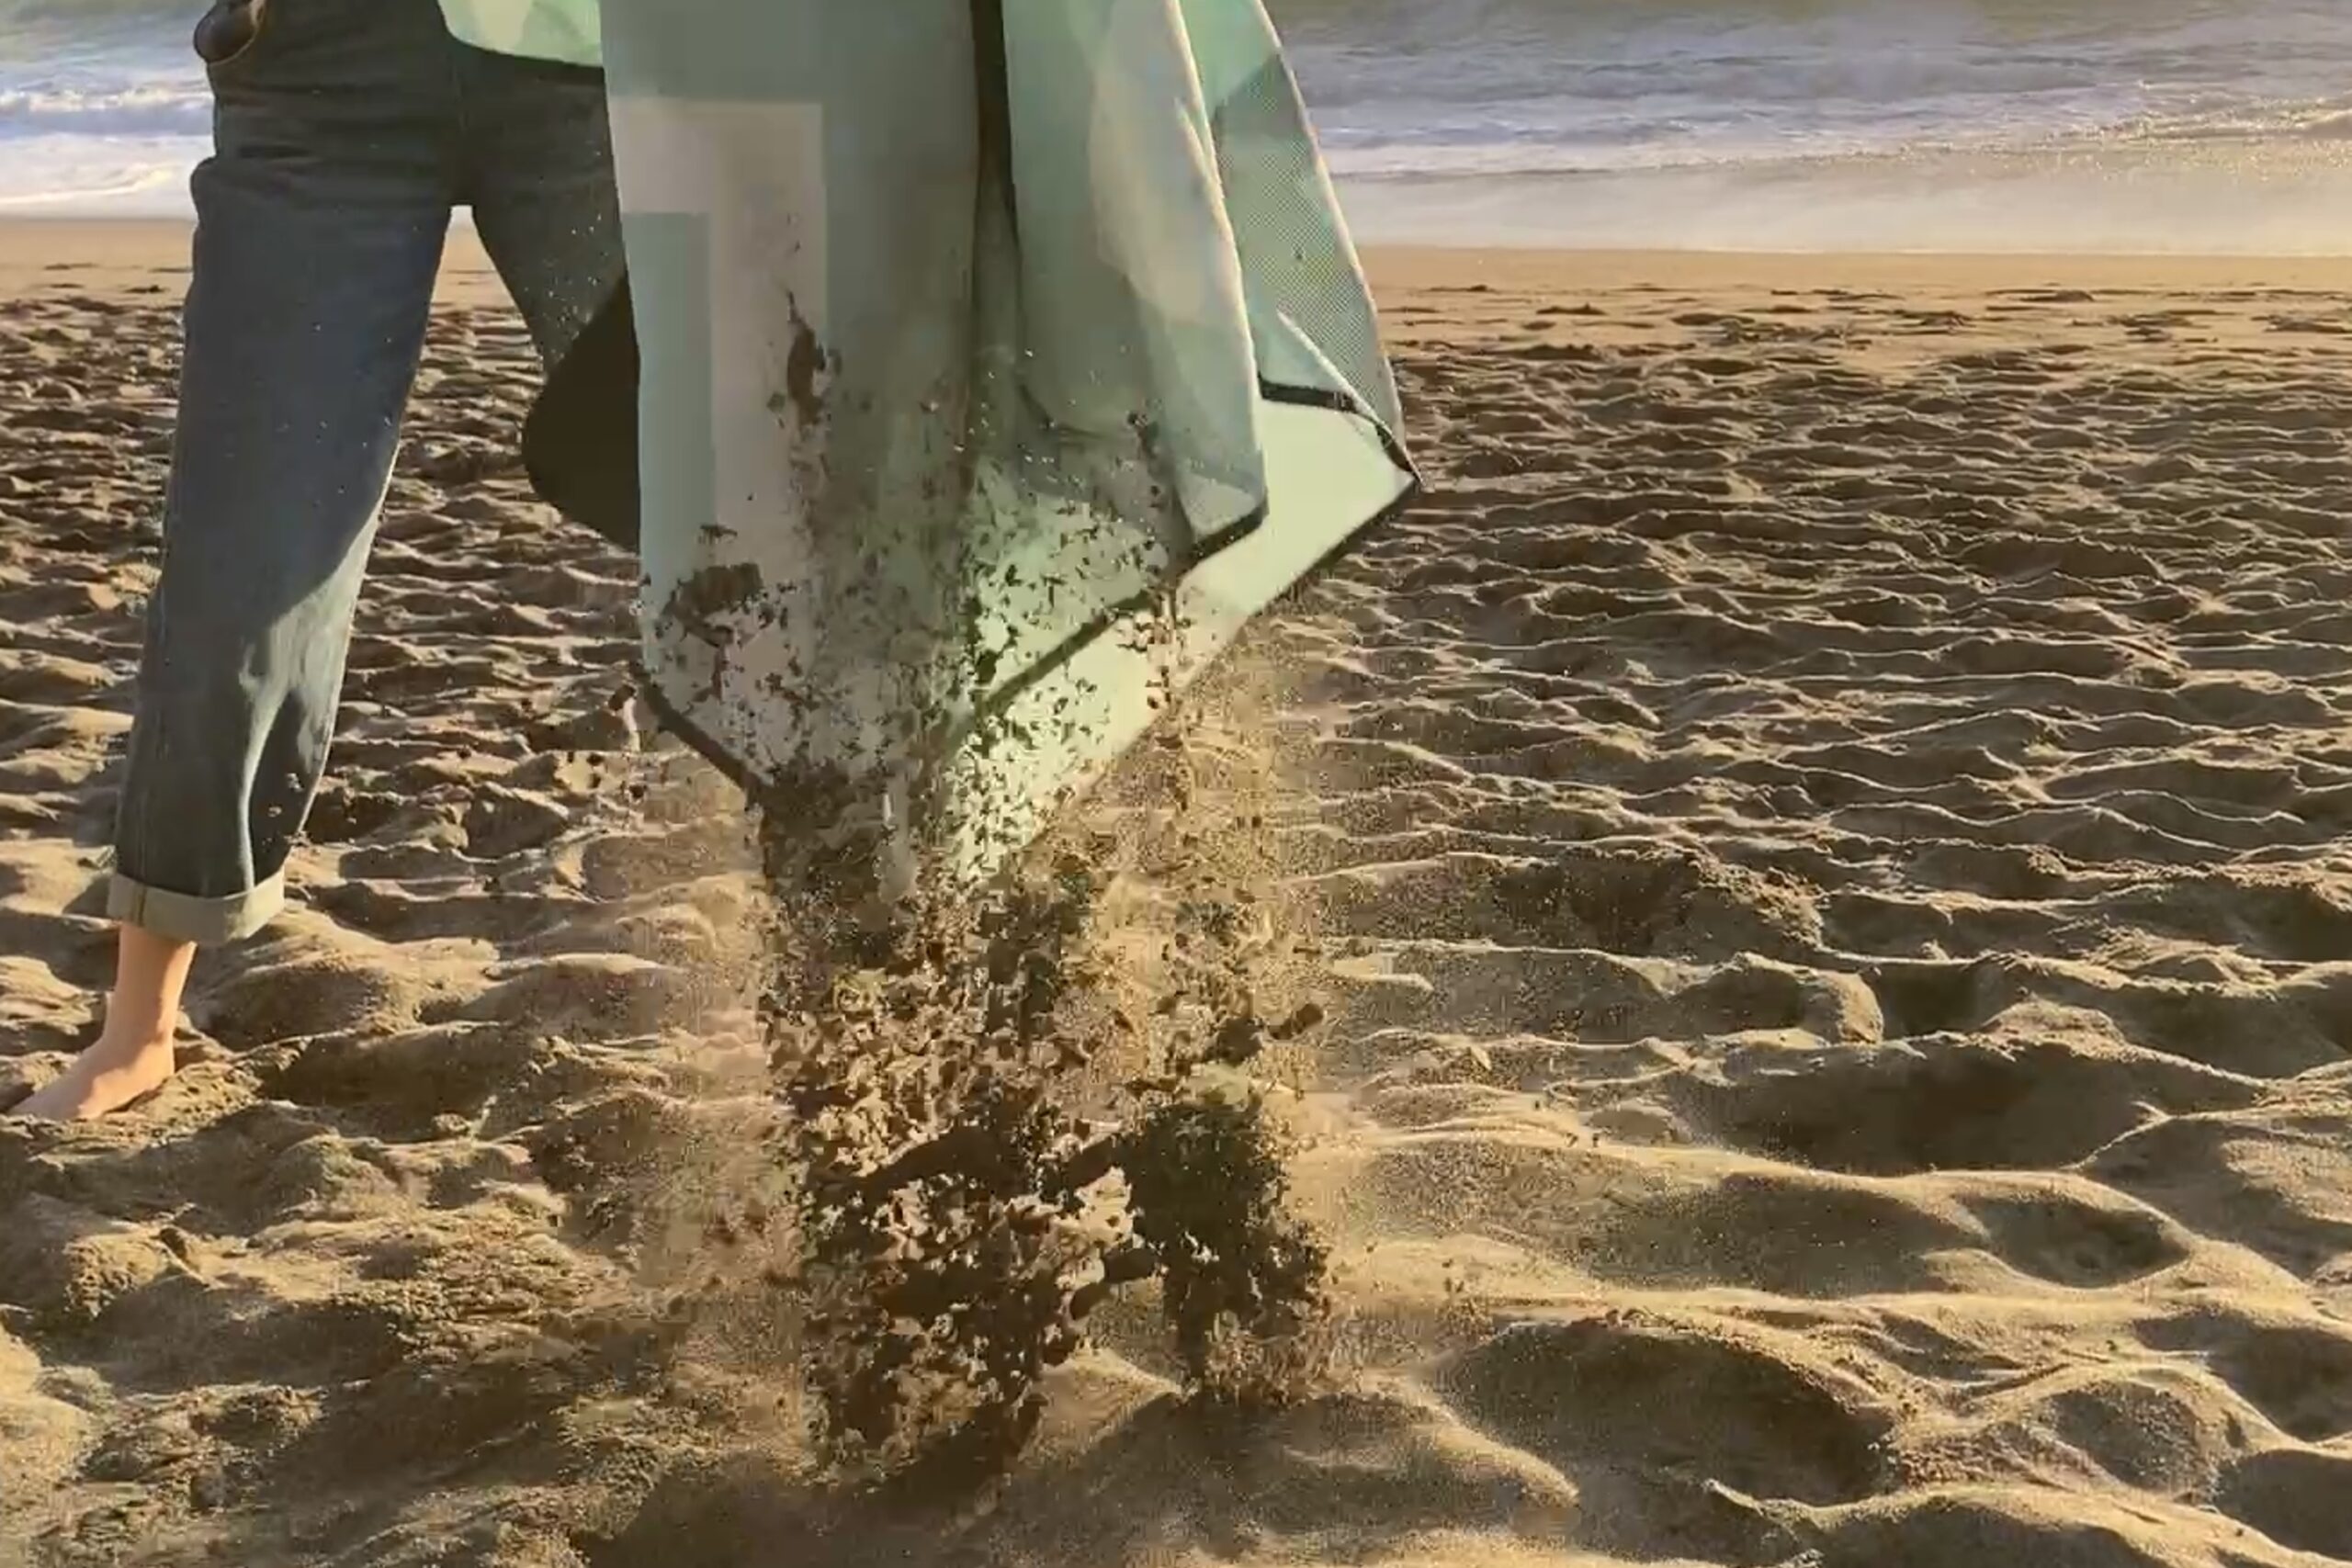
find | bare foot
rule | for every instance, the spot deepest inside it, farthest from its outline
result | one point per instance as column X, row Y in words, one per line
column 103, row 1079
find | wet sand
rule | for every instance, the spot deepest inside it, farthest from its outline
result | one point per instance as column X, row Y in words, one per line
column 1825, row 831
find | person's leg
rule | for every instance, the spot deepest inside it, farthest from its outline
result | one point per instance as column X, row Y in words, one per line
column 541, row 184
column 538, row 174
column 321, row 219
column 132, row 1058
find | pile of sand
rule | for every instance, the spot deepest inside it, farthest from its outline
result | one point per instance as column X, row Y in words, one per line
column 1823, row 835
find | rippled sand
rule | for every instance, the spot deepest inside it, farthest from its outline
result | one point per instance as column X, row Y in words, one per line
column 1824, row 829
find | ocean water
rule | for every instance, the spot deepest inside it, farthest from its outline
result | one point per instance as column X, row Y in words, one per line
column 2148, row 125
column 2192, row 126
column 102, row 105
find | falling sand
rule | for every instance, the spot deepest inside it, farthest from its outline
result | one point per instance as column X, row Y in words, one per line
column 1802, row 886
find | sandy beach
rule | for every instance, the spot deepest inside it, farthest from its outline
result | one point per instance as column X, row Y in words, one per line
column 1827, row 830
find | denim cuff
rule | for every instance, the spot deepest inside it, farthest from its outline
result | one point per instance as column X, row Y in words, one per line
column 178, row 917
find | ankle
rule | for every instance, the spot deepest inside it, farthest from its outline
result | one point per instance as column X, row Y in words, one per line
column 150, row 974
column 134, row 1034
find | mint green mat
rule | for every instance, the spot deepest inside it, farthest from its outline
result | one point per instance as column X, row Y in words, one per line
column 1000, row 360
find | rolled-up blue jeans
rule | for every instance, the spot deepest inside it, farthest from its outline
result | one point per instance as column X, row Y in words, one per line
column 345, row 136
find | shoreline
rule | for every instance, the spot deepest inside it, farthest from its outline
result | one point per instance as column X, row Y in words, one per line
column 1540, row 268
column 2262, row 199
column 158, row 245
column 2267, row 198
